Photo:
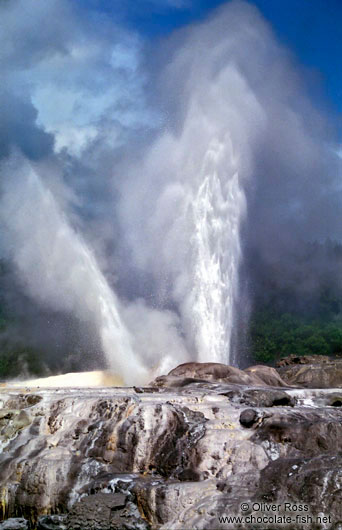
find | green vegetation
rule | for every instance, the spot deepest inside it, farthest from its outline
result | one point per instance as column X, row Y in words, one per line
column 274, row 336
column 16, row 358
column 298, row 305
column 16, row 361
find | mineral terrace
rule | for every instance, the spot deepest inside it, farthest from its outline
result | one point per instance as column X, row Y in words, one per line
column 178, row 454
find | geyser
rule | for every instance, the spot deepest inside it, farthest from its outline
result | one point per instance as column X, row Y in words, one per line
column 187, row 194
column 59, row 270
column 234, row 127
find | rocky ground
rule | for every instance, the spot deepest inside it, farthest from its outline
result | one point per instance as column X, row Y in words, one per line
column 204, row 443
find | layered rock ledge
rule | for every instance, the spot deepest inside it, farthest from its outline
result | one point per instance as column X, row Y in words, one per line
column 178, row 454
column 311, row 371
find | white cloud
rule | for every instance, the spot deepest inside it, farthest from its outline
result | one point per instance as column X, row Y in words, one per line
column 86, row 75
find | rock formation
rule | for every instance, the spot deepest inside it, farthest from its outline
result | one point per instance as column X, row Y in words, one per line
column 191, row 448
column 311, row 371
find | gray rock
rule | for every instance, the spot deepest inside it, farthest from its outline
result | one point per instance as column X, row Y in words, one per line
column 189, row 373
column 105, row 511
column 15, row 523
column 267, row 397
column 206, row 372
column 327, row 374
column 303, row 359
column 174, row 456
column 248, row 418
column 269, row 376
column 52, row 522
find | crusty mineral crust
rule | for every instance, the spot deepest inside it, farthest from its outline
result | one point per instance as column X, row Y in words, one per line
column 176, row 455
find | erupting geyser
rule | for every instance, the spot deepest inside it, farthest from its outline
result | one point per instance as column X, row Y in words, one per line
column 233, row 126
column 188, row 193
column 60, row 271
column 216, row 216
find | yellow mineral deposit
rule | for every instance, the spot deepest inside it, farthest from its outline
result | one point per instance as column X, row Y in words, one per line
column 96, row 378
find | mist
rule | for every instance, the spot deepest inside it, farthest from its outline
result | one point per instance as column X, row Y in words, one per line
column 140, row 208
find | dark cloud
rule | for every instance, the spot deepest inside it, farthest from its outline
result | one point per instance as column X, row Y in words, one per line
column 18, row 128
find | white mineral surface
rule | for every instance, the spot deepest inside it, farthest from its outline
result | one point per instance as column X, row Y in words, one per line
column 160, row 457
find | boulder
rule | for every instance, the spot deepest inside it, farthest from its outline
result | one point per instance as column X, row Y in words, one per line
column 214, row 372
column 268, row 375
column 52, row 522
column 266, row 397
column 311, row 373
column 193, row 372
column 105, row 511
column 248, row 418
column 315, row 483
column 301, row 433
column 302, row 359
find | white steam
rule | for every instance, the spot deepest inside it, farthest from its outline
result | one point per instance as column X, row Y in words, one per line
column 59, row 270
column 236, row 120
column 187, row 196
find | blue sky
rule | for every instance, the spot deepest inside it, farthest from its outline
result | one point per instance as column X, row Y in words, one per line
column 310, row 28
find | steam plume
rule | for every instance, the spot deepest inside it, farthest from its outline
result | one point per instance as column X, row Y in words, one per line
column 235, row 156
column 59, row 270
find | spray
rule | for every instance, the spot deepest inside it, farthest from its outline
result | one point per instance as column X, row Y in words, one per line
column 58, row 269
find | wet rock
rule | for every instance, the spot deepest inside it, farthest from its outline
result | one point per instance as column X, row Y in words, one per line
column 23, row 401
column 52, row 522
column 267, row 398
column 189, row 475
column 316, row 482
column 335, row 400
column 214, row 372
column 327, row 374
column 170, row 381
column 286, row 483
column 302, row 359
column 269, row 376
column 190, row 373
column 105, row 511
column 300, row 434
column 165, row 505
column 11, row 422
column 76, row 441
column 145, row 390
column 15, row 523
column 248, row 418
column 175, row 457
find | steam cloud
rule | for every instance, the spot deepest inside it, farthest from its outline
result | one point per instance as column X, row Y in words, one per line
column 156, row 180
